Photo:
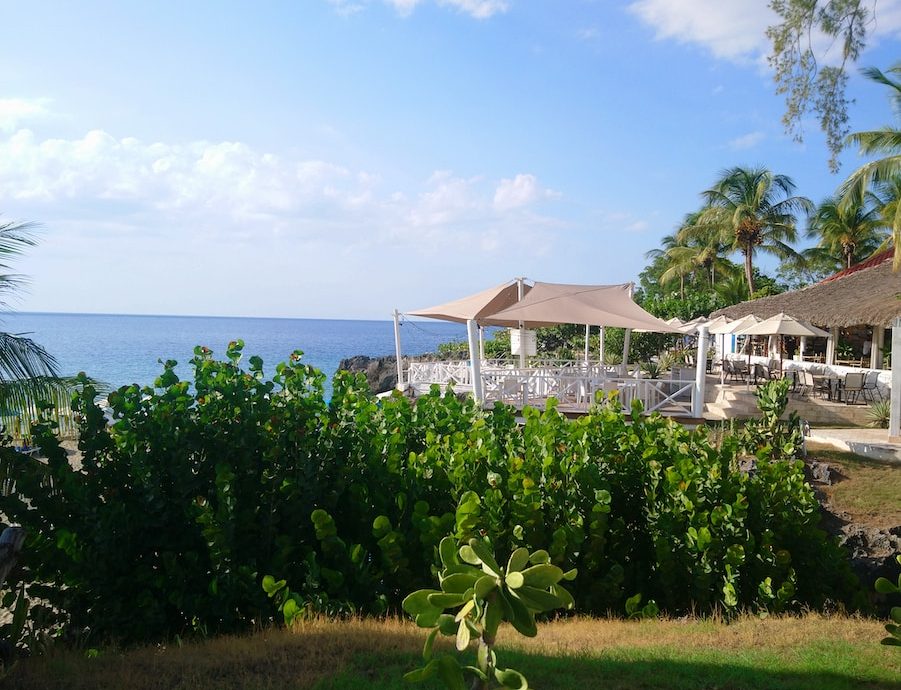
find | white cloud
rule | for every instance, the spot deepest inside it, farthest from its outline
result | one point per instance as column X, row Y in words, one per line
column 746, row 141
column 230, row 192
column 478, row 9
column 14, row 111
column 735, row 29
column 522, row 190
column 730, row 29
column 588, row 34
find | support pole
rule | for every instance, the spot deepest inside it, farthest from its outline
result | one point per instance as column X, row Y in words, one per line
column 802, row 347
column 894, row 420
column 877, row 342
column 587, row 335
column 697, row 400
column 474, row 361
column 397, row 355
column 601, row 348
column 831, row 342
column 481, row 342
column 520, row 292
column 627, row 341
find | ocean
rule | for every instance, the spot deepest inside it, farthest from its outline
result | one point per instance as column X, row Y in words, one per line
column 121, row 349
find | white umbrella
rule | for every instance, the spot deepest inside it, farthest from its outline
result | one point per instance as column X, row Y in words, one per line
column 782, row 324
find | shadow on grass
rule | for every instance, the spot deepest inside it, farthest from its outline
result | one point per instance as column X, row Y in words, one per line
column 571, row 672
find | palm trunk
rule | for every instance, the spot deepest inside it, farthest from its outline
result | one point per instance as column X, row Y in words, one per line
column 849, row 259
column 681, row 287
column 749, row 273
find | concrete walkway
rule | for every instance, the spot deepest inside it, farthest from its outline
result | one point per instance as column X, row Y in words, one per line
column 870, row 443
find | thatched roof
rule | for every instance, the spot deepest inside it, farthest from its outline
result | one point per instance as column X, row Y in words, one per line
column 866, row 294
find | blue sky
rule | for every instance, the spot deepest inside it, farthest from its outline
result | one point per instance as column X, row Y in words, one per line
column 339, row 158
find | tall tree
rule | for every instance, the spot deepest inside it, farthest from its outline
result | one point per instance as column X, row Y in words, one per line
column 846, row 232
column 754, row 211
column 884, row 171
column 27, row 371
column 809, row 84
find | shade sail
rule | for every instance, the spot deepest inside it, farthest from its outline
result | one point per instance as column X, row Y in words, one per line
column 782, row 324
column 549, row 304
column 477, row 307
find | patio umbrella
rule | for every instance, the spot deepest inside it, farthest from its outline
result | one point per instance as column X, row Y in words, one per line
column 782, row 324
column 723, row 327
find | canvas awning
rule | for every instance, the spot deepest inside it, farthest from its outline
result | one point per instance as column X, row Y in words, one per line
column 478, row 307
column 550, row 304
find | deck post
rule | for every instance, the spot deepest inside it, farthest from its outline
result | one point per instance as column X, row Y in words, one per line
column 802, row 346
column 697, row 400
column 894, row 420
column 587, row 336
column 474, row 361
column 520, row 293
column 831, row 342
column 400, row 362
column 876, row 344
column 481, row 342
column 627, row 341
column 601, row 347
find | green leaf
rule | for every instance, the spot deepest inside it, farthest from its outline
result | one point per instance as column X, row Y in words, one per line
column 420, row 674
column 451, row 673
column 565, row 597
column 484, row 585
column 447, row 624
column 458, row 582
column 514, row 580
column 521, row 619
column 447, row 550
column 494, row 614
column 270, row 586
column 462, row 636
column 540, row 556
column 884, row 586
column 509, row 678
column 543, row 575
column 484, row 553
column 538, row 599
column 445, row 601
column 429, row 642
column 518, row 560
column 570, row 575
column 418, row 602
column 429, row 618
column 469, row 556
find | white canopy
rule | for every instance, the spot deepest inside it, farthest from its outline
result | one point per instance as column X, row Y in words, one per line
column 549, row 304
column 477, row 307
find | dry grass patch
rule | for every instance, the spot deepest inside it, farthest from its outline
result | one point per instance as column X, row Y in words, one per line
column 810, row 651
column 868, row 490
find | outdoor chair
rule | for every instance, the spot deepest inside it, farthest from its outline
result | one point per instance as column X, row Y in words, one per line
column 822, row 387
column 871, row 387
column 853, row 387
column 803, row 383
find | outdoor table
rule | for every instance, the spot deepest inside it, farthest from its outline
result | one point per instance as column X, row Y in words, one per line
column 834, row 391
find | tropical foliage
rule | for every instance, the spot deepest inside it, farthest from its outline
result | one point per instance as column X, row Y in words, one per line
column 198, row 489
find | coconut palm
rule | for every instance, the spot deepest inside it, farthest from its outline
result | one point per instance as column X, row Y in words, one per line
column 847, row 232
column 670, row 269
column 27, row 371
column 885, row 141
column 754, row 211
column 701, row 244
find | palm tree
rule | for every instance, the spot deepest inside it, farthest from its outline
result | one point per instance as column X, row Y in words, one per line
column 848, row 232
column 27, row 371
column 702, row 245
column 886, row 141
column 754, row 210
column 671, row 269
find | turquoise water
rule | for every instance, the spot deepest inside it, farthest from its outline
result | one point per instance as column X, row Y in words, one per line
column 121, row 349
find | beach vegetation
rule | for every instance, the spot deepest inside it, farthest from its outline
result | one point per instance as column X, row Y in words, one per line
column 200, row 488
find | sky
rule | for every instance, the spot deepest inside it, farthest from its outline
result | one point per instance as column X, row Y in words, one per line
column 342, row 158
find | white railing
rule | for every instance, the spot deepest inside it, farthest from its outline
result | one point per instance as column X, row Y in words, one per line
column 438, row 372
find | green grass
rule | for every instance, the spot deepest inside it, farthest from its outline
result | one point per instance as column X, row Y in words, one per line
column 869, row 490
column 810, row 652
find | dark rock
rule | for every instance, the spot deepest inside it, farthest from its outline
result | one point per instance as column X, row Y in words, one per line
column 381, row 372
column 820, row 472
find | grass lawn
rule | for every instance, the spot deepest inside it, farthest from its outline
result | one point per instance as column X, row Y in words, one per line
column 868, row 490
column 812, row 652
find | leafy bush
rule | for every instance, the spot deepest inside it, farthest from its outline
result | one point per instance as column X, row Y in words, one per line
column 879, row 414
column 199, row 489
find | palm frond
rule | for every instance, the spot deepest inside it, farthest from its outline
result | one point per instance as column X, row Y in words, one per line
column 23, row 358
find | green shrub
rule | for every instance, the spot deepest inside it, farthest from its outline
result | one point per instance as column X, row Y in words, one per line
column 197, row 490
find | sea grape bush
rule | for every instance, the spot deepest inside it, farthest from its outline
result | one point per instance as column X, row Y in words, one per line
column 198, row 489
column 478, row 594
